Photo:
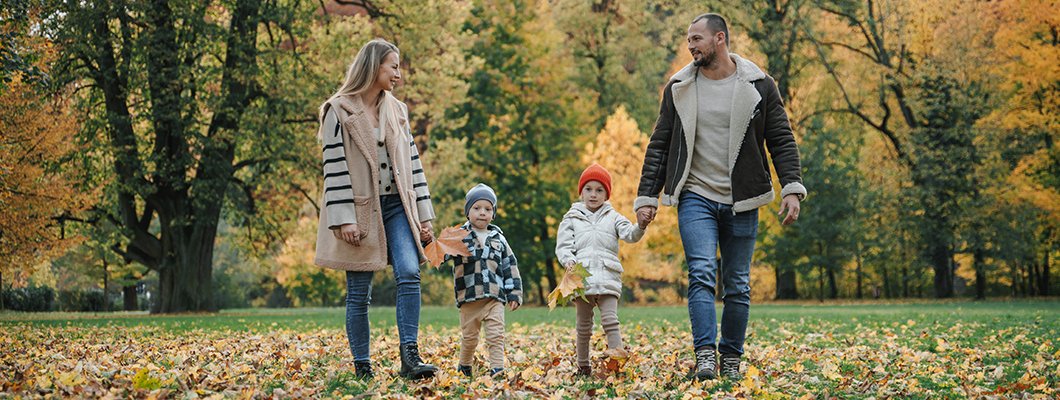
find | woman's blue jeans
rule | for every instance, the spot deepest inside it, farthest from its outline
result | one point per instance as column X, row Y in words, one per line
column 707, row 226
column 404, row 257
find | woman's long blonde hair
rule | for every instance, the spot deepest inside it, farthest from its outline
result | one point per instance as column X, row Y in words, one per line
column 360, row 76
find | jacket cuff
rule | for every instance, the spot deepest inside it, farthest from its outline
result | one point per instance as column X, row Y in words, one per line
column 515, row 298
column 642, row 201
column 341, row 214
column 795, row 188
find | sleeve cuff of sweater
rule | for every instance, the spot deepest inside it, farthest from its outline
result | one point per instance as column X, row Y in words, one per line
column 642, row 201
column 795, row 188
column 341, row 214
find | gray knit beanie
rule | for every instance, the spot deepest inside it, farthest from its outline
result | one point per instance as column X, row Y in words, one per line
column 479, row 192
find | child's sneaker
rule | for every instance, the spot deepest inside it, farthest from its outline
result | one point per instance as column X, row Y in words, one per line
column 730, row 366
column 497, row 373
column 706, row 364
column 464, row 369
column 584, row 370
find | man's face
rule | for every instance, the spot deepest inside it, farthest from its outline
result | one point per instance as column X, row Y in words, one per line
column 703, row 44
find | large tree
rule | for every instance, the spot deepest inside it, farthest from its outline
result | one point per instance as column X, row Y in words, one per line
column 184, row 121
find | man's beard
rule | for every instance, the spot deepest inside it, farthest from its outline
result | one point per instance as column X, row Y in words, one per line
column 705, row 59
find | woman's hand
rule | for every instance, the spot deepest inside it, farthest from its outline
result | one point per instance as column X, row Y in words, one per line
column 349, row 233
column 513, row 305
column 426, row 232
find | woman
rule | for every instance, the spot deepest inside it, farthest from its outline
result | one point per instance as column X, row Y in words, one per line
column 377, row 208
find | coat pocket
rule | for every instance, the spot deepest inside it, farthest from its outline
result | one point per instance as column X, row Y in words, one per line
column 365, row 214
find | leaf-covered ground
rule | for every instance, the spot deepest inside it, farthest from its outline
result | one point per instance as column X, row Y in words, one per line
column 881, row 351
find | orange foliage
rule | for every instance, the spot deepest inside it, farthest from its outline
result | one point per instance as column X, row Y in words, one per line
column 34, row 185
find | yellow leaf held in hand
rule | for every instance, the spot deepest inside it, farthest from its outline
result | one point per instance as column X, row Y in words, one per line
column 450, row 242
column 572, row 285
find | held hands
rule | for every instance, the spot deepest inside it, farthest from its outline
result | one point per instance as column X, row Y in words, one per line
column 349, row 233
column 645, row 215
column 790, row 203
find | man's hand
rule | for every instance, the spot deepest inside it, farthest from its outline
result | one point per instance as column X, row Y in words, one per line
column 349, row 233
column 645, row 215
column 790, row 203
column 426, row 232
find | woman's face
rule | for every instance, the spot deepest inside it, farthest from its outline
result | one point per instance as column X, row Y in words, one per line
column 389, row 73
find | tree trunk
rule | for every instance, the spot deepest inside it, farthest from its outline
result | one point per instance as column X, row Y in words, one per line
column 1044, row 275
column 833, row 291
column 887, row 293
column 106, row 275
column 820, row 284
column 129, row 297
column 787, row 286
column 857, row 272
column 905, row 281
column 980, row 274
column 1, row 289
column 185, row 278
column 1032, row 279
column 942, row 262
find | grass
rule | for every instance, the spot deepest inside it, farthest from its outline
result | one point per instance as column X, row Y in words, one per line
column 990, row 313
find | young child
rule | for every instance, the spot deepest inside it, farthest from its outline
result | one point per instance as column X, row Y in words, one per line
column 484, row 281
column 589, row 234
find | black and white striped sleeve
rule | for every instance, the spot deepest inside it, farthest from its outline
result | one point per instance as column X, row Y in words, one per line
column 419, row 182
column 338, row 189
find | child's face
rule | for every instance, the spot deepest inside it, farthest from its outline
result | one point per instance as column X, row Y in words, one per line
column 593, row 195
column 481, row 214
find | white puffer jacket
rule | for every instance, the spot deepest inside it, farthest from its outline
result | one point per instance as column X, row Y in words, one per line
column 591, row 238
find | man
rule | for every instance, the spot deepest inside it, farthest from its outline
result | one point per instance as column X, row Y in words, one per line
column 707, row 156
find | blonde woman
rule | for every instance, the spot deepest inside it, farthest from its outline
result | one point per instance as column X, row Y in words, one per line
column 376, row 207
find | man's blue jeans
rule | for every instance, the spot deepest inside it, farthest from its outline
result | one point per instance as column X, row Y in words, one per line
column 707, row 226
column 403, row 255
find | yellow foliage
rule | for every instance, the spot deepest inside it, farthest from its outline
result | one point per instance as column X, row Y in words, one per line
column 620, row 148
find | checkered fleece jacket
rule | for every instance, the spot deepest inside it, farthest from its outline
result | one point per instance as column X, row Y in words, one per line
column 490, row 272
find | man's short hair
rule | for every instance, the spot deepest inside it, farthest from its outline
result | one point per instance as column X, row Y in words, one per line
column 716, row 23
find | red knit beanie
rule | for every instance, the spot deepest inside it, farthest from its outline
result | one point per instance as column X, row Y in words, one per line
column 597, row 173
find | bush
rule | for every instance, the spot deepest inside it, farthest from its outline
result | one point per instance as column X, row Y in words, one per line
column 36, row 298
column 83, row 300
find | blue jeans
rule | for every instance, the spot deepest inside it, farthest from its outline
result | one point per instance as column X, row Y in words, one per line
column 403, row 255
column 705, row 227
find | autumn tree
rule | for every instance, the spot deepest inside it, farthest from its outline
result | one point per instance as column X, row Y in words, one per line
column 35, row 174
column 184, row 116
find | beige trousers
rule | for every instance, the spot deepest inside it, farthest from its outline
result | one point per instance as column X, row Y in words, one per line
column 474, row 316
column 608, row 318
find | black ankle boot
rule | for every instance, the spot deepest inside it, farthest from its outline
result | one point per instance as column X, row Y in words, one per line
column 464, row 369
column 412, row 367
column 363, row 369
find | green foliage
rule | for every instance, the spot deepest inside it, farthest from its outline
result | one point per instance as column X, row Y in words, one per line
column 32, row 298
column 823, row 240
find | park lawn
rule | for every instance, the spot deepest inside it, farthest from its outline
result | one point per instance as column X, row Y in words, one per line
column 911, row 350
